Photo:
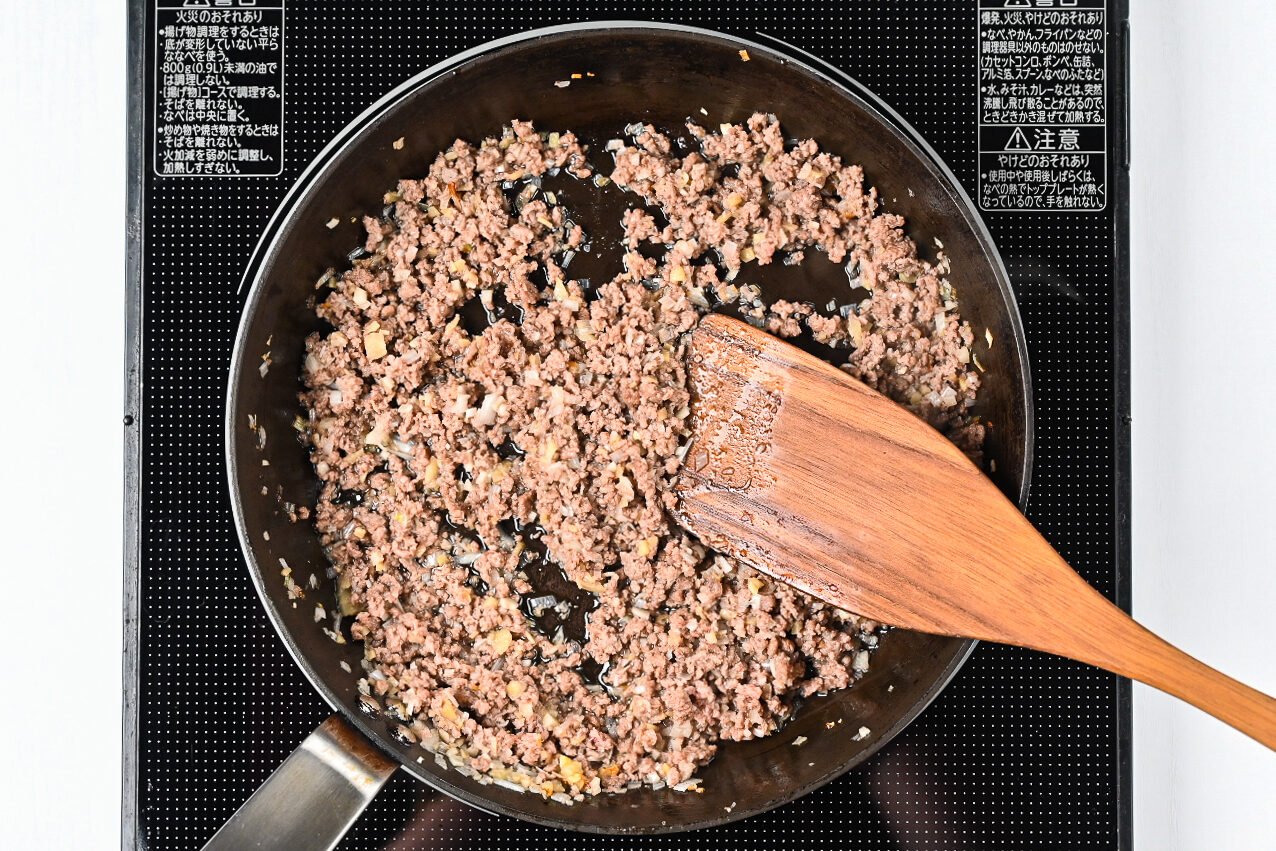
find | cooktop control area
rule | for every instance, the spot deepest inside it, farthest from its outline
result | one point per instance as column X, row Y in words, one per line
column 232, row 99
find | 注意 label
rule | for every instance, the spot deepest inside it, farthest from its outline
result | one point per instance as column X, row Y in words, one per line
column 1042, row 102
column 219, row 87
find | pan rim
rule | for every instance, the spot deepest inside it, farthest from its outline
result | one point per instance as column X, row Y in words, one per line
column 349, row 135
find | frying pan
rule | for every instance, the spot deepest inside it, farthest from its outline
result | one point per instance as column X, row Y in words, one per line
column 650, row 72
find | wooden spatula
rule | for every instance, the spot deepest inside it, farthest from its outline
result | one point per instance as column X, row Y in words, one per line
column 802, row 472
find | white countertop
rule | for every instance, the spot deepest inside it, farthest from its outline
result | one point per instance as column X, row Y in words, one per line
column 1204, row 218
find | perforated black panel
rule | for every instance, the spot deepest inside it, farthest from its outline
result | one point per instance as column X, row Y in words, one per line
column 1021, row 751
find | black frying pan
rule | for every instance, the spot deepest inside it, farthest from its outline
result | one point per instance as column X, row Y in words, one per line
column 648, row 72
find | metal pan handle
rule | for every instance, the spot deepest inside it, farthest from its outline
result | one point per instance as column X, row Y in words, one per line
column 312, row 799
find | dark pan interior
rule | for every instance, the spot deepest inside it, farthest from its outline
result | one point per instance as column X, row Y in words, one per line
column 662, row 75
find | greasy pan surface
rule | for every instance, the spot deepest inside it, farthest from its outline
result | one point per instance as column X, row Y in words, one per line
column 642, row 72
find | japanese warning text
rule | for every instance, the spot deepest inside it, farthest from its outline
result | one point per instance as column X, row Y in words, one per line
column 1043, row 106
column 219, row 87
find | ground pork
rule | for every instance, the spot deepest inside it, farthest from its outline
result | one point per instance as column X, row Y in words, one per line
column 468, row 467
column 748, row 195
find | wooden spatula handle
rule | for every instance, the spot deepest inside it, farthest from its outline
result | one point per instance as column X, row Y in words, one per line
column 1049, row 606
column 1120, row 644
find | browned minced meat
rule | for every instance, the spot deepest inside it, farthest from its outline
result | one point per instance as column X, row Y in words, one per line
column 447, row 457
column 748, row 196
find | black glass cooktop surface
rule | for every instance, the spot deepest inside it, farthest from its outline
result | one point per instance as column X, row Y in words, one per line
column 1024, row 101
